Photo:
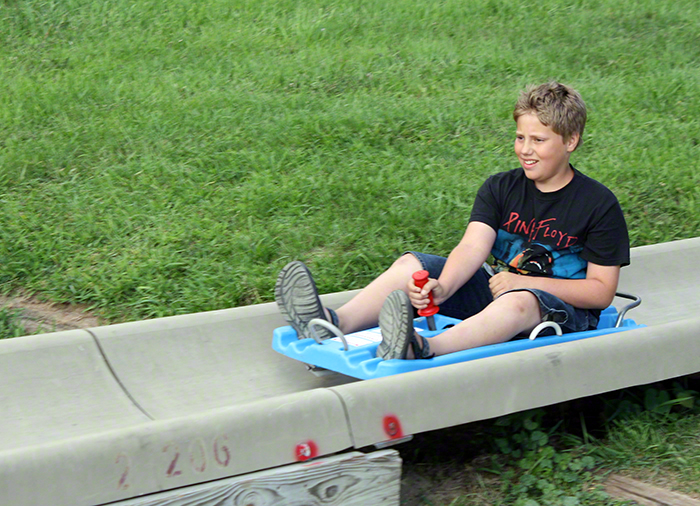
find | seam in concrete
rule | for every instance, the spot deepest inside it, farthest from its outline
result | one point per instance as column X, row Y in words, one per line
column 347, row 416
column 116, row 377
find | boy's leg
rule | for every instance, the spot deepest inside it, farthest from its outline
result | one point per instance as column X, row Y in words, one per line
column 362, row 311
column 503, row 319
column 298, row 300
column 513, row 313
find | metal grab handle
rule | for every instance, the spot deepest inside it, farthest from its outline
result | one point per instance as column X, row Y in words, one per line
column 328, row 325
column 544, row 325
column 636, row 301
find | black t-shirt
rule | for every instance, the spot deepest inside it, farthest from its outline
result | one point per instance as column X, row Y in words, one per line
column 552, row 234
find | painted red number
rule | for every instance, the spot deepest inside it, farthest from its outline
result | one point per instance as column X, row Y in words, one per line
column 199, row 468
column 123, row 485
column 306, row 451
column 172, row 471
column 222, row 455
column 392, row 427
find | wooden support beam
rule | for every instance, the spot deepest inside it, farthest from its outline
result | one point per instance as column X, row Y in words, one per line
column 348, row 479
column 622, row 487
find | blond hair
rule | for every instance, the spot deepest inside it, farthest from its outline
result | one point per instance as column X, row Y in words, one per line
column 557, row 106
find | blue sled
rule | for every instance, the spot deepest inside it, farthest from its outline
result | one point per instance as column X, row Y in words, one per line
column 359, row 361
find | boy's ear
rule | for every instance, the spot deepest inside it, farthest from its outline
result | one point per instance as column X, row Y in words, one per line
column 572, row 142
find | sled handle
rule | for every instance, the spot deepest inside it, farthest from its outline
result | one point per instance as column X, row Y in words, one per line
column 636, row 301
column 536, row 331
column 420, row 278
column 328, row 325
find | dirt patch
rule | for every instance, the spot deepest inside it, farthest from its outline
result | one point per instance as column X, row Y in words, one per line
column 446, row 466
column 446, row 484
column 38, row 316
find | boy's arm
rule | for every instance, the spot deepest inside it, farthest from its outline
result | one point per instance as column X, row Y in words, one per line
column 596, row 291
column 464, row 260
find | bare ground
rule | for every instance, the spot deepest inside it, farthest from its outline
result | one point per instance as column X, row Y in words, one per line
column 38, row 316
column 447, row 467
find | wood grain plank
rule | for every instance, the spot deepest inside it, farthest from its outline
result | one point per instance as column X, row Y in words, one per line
column 349, row 479
column 646, row 495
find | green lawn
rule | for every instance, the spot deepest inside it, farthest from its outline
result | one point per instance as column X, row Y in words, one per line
column 161, row 158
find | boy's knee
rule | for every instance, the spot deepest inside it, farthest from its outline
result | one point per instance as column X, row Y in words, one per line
column 523, row 303
column 408, row 261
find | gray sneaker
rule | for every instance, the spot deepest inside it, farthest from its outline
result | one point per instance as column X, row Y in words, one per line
column 297, row 299
column 396, row 324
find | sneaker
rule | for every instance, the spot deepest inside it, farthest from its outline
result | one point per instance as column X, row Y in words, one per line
column 396, row 324
column 297, row 299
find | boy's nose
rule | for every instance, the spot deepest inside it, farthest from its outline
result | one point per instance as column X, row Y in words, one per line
column 526, row 147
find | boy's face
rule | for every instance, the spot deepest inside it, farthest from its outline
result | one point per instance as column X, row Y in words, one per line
column 543, row 154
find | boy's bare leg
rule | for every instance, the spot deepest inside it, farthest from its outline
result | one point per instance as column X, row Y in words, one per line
column 362, row 311
column 503, row 319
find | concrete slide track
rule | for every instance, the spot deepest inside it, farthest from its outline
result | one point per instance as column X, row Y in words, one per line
column 110, row 413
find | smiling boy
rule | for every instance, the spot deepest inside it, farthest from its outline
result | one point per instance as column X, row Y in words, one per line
column 557, row 238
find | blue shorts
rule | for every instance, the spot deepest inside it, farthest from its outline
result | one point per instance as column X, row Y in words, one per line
column 475, row 295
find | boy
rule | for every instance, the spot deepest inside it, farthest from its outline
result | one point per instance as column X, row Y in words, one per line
column 558, row 239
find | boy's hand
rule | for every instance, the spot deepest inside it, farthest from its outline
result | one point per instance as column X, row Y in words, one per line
column 419, row 296
column 504, row 281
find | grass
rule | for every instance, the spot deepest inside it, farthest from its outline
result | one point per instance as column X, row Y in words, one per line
column 562, row 454
column 11, row 324
column 162, row 159
column 167, row 158
column 663, row 450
